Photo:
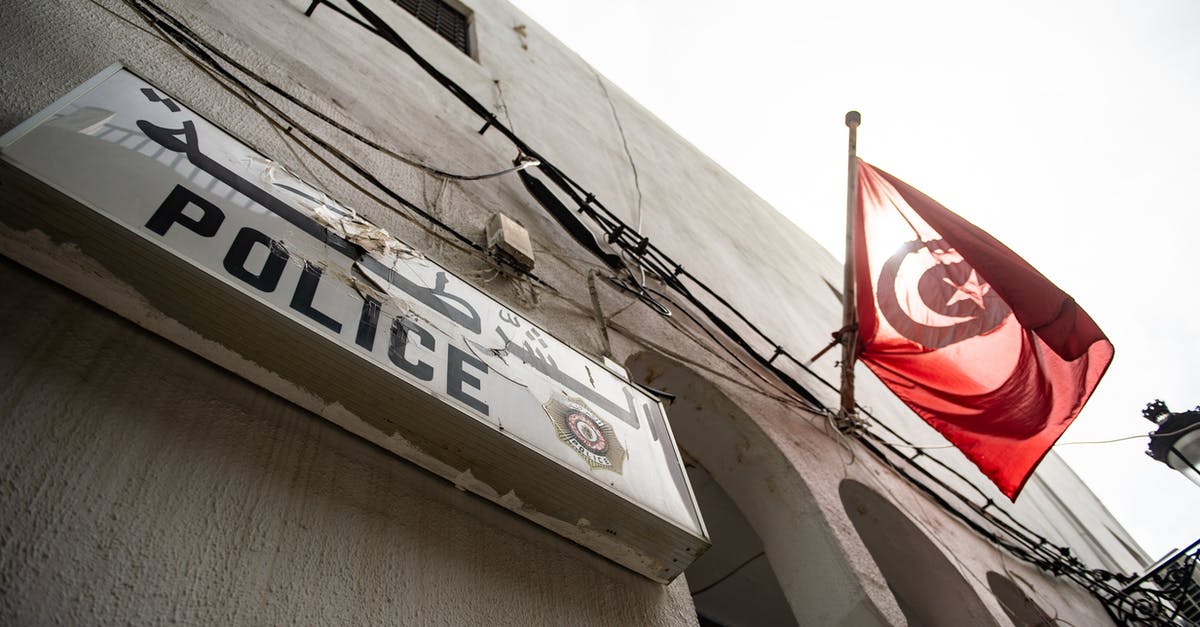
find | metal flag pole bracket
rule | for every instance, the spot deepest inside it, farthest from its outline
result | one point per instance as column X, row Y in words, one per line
column 838, row 337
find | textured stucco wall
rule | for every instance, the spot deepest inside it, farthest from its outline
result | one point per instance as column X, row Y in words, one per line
column 142, row 485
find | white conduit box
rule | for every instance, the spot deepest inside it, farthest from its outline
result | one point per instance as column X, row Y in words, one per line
column 123, row 194
column 507, row 237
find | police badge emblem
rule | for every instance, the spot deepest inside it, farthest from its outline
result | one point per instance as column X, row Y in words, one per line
column 584, row 431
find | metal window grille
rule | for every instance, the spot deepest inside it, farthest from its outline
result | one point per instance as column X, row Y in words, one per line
column 444, row 19
column 1168, row 594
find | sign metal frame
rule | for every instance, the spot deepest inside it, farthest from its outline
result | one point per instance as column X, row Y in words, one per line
column 224, row 252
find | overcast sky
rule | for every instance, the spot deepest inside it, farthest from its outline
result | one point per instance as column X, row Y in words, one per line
column 1068, row 130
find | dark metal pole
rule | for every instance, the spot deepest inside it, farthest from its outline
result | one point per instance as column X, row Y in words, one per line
column 849, row 310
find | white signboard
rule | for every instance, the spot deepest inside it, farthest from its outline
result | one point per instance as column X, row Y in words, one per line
column 129, row 152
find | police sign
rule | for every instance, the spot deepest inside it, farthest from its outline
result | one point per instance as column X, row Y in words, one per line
column 311, row 300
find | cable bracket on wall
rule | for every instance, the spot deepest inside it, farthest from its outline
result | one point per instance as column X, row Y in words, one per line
column 491, row 119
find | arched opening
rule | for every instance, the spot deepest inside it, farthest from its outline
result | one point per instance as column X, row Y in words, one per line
column 732, row 583
column 929, row 589
column 1021, row 609
column 754, row 501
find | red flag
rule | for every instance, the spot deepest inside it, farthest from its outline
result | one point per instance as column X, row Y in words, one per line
column 971, row 337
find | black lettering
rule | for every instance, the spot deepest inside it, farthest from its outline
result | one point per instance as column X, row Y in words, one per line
column 267, row 279
column 455, row 308
column 306, row 290
column 456, row 377
column 184, row 140
column 399, row 340
column 171, row 212
column 368, row 322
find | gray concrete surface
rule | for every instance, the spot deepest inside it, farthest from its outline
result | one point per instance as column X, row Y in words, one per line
column 142, row 484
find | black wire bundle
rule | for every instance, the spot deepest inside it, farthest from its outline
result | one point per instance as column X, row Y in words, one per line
column 1016, row 538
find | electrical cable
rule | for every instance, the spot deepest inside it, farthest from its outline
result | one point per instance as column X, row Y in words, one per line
column 731, row 573
column 607, row 222
column 926, row 447
column 525, row 162
column 1029, row 546
column 617, row 232
column 662, row 272
column 181, row 36
column 247, row 98
column 128, row 21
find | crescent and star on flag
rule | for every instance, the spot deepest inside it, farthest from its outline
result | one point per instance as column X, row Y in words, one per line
column 971, row 289
column 1024, row 360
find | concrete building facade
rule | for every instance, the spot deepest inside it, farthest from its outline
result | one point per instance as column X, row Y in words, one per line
column 152, row 474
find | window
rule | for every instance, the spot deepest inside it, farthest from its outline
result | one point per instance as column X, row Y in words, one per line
column 443, row 18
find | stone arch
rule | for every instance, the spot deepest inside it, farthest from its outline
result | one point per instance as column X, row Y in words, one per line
column 733, row 582
column 803, row 552
column 928, row 587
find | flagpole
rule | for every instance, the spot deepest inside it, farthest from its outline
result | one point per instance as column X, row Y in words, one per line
column 849, row 330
